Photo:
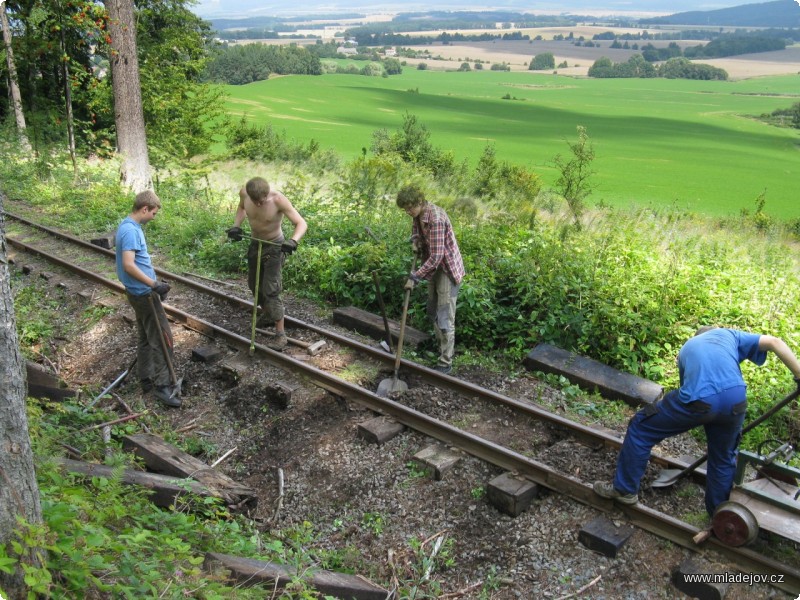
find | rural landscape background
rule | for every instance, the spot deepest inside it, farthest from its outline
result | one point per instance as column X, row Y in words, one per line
column 662, row 142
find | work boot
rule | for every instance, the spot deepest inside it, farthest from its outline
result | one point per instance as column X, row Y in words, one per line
column 444, row 369
column 147, row 385
column 169, row 395
column 607, row 490
column 279, row 342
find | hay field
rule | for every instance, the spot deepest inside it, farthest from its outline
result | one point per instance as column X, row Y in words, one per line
column 518, row 54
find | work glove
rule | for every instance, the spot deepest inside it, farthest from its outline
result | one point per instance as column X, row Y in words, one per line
column 161, row 289
column 234, row 234
column 289, row 246
column 411, row 282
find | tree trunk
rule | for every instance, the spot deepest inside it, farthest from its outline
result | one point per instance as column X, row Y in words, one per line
column 68, row 99
column 16, row 98
column 19, row 492
column 128, row 114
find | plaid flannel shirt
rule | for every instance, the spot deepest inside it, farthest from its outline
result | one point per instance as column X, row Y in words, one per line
column 439, row 245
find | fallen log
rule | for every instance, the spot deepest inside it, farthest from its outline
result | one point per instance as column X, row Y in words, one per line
column 249, row 572
column 166, row 491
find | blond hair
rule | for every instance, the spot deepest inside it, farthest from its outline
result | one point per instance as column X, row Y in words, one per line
column 147, row 198
column 258, row 189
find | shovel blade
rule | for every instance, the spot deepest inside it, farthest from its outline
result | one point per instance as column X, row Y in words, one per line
column 667, row 477
column 391, row 385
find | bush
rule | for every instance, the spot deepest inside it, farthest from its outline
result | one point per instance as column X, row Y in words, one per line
column 542, row 62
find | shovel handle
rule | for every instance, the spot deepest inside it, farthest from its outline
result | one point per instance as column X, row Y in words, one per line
column 165, row 350
column 402, row 334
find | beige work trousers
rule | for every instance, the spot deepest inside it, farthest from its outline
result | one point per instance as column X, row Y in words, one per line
column 441, row 310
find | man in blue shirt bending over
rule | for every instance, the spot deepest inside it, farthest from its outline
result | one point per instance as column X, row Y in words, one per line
column 712, row 393
column 145, row 293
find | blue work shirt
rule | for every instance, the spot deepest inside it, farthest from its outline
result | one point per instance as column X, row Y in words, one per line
column 131, row 237
column 709, row 363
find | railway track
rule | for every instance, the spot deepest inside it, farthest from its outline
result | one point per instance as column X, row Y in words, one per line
column 649, row 519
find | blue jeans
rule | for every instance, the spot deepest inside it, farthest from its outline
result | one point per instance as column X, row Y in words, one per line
column 721, row 415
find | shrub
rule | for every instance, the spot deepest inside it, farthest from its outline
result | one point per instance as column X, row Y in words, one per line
column 542, row 62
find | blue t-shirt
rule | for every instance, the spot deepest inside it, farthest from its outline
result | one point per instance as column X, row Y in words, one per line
column 709, row 363
column 131, row 237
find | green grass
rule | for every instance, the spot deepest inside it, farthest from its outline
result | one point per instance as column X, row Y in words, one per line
column 689, row 144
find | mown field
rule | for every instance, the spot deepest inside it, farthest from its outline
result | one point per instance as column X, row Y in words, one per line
column 693, row 144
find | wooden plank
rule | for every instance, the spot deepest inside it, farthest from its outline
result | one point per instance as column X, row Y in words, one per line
column 770, row 516
column 593, row 375
column 372, row 325
column 248, row 572
column 167, row 491
column 161, row 457
column 42, row 384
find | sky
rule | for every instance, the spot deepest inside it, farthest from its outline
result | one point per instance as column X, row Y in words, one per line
column 244, row 8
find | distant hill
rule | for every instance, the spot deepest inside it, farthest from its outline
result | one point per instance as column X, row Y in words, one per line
column 781, row 14
column 232, row 9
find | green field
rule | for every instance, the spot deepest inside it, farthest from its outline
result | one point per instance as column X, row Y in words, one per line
column 691, row 144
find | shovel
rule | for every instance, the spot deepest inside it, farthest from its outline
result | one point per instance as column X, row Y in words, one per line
column 393, row 384
column 669, row 477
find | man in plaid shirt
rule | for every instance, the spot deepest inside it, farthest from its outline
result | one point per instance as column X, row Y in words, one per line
column 435, row 245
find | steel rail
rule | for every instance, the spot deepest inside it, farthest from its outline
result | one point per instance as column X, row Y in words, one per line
column 465, row 388
column 643, row 517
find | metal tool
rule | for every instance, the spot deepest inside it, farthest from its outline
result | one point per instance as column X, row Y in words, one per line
column 669, row 477
column 393, row 384
column 313, row 348
column 246, row 236
column 255, row 300
column 376, row 280
column 113, row 384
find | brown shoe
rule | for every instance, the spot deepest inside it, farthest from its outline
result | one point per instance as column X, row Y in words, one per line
column 279, row 342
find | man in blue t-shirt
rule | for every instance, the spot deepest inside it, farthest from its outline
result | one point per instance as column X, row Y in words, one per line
column 712, row 394
column 145, row 293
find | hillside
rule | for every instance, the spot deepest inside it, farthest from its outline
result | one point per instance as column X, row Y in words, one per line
column 255, row 8
column 781, row 13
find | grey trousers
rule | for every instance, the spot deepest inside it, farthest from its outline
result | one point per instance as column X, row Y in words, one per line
column 150, row 363
column 441, row 310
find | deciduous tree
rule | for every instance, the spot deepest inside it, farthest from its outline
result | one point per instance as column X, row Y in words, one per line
column 574, row 183
column 19, row 492
column 16, row 98
column 128, row 113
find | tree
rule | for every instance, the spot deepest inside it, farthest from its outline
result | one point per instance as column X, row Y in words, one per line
column 128, row 112
column 178, row 107
column 602, row 67
column 392, row 66
column 16, row 98
column 542, row 62
column 19, row 492
column 573, row 183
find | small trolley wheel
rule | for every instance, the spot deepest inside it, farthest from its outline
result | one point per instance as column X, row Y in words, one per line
column 734, row 524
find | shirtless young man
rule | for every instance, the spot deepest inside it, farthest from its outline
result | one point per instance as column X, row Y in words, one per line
column 265, row 209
